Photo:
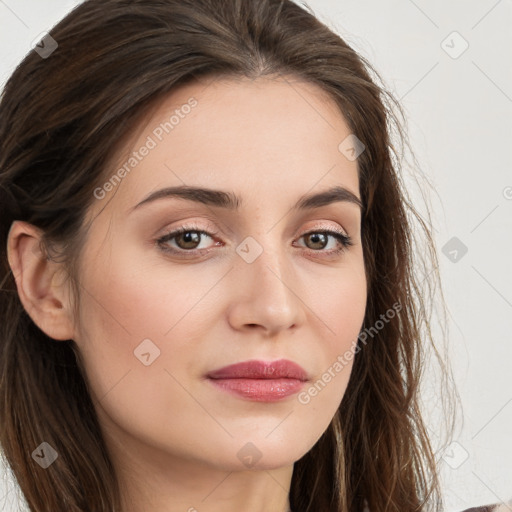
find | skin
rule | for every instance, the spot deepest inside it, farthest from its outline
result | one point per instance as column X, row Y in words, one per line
column 173, row 437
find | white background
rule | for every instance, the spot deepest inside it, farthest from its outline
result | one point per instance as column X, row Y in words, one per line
column 459, row 113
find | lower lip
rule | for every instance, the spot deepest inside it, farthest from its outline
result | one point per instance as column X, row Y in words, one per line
column 260, row 390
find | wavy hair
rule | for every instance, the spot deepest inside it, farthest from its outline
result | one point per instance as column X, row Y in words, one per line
column 61, row 120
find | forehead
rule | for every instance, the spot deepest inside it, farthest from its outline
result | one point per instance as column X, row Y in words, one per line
column 266, row 136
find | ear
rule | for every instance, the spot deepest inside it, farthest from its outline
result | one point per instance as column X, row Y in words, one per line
column 42, row 287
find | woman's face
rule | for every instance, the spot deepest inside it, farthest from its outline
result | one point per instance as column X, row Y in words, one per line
column 157, row 318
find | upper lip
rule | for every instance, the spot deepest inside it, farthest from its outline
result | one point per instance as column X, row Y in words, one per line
column 280, row 369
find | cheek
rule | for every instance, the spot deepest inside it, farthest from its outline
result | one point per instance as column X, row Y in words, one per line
column 139, row 320
column 133, row 300
column 126, row 354
column 119, row 310
column 340, row 305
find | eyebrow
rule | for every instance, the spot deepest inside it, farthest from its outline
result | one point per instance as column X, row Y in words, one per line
column 231, row 201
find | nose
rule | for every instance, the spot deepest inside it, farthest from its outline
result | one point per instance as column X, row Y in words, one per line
column 265, row 295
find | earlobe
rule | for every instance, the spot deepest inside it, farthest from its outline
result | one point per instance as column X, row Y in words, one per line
column 42, row 291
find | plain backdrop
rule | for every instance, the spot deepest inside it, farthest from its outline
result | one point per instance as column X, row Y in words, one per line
column 449, row 63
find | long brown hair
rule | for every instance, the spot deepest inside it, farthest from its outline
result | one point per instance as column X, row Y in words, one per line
column 61, row 118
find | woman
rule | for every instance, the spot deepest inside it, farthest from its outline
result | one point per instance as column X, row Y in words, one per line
column 210, row 295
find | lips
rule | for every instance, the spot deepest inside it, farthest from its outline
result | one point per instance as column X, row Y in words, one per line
column 259, row 380
column 281, row 369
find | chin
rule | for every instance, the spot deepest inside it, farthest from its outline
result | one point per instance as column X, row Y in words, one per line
column 254, row 457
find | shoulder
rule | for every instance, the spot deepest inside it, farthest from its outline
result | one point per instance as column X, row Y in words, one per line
column 489, row 508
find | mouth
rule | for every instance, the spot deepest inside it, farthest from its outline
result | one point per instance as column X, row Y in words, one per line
column 259, row 380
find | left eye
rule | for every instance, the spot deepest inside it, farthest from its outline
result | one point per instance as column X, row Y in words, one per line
column 187, row 240
column 322, row 237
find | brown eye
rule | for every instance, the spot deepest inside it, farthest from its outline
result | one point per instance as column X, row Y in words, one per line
column 184, row 240
column 318, row 240
column 188, row 239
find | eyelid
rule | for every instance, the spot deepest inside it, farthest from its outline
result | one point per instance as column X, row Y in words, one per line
column 210, row 230
column 328, row 227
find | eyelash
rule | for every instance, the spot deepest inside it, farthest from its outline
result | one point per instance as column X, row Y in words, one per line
column 344, row 241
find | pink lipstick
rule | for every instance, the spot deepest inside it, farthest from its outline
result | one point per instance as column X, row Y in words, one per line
column 259, row 380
